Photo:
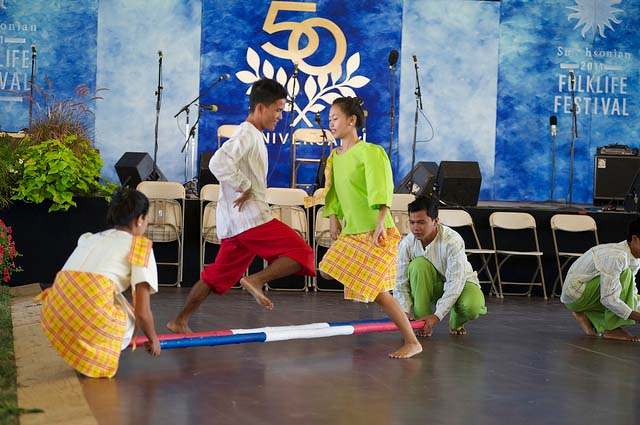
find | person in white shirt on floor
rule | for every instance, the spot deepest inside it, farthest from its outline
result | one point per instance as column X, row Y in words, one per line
column 433, row 269
column 245, row 225
column 600, row 287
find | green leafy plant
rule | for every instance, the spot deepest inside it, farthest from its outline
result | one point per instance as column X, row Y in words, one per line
column 10, row 166
column 53, row 171
column 8, row 253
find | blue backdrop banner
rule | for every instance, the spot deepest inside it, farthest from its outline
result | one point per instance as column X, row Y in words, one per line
column 62, row 38
column 340, row 48
column 541, row 43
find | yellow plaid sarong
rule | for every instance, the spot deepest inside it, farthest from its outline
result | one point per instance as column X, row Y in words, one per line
column 364, row 269
column 84, row 324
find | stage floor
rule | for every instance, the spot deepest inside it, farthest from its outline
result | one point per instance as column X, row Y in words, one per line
column 525, row 362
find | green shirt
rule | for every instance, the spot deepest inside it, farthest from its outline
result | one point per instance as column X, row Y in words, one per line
column 361, row 182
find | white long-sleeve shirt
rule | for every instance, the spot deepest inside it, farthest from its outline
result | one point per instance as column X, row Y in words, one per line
column 241, row 164
column 607, row 261
column 446, row 253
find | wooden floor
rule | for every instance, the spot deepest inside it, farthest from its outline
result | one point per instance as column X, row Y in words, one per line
column 526, row 362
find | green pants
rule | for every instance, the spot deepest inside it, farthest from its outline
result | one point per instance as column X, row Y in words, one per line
column 427, row 287
column 601, row 318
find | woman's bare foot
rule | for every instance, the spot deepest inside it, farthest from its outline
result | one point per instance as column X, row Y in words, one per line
column 620, row 335
column 178, row 328
column 461, row 331
column 407, row 350
column 256, row 291
column 585, row 323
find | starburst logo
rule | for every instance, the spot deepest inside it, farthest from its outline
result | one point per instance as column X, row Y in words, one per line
column 592, row 14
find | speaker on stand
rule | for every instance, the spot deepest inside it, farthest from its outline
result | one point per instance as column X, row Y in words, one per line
column 205, row 176
column 424, row 180
column 459, row 182
column 135, row 167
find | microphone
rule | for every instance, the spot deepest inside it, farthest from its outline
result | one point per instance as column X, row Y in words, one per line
column 224, row 77
column 573, row 78
column 33, row 50
column 212, row 108
column 295, row 69
column 393, row 58
column 318, row 119
column 160, row 56
column 415, row 60
column 553, row 121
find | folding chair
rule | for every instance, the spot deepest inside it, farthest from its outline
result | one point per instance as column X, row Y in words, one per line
column 208, row 203
column 166, row 217
column 287, row 205
column 573, row 223
column 305, row 136
column 225, row 131
column 321, row 239
column 505, row 224
column 399, row 205
column 462, row 219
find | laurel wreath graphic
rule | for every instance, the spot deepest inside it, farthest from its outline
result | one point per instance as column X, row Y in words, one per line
column 320, row 90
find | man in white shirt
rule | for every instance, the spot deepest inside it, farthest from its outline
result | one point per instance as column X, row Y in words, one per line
column 433, row 269
column 244, row 222
column 600, row 287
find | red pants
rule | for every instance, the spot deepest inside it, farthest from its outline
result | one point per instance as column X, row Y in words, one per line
column 270, row 241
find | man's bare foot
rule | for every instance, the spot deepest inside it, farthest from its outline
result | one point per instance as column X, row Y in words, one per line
column 407, row 350
column 178, row 328
column 585, row 323
column 620, row 335
column 256, row 291
column 461, row 331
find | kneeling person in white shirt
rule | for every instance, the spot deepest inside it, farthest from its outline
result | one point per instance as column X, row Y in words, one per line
column 600, row 287
column 433, row 269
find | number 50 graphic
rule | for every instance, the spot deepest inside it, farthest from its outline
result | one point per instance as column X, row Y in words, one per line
column 306, row 27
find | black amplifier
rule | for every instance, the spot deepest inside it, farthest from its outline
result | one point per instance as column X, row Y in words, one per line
column 617, row 150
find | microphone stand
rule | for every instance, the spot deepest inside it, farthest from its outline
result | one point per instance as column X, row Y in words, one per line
column 33, row 69
column 292, row 114
column 553, row 163
column 574, row 136
column 190, row 136
column 154, row 173
column 415, row 126
column 320, row 180
column 392, row 112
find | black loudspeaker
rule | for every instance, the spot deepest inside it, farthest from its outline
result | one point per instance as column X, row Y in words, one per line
column 424, row 178
column 205, row 176
column 612, row 178
column 136, row 167
column 459, row 182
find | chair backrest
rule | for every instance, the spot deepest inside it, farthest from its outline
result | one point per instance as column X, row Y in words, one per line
column 401, row 201
column 225, row 131
column 285, row 196
column 313, row 135
column 512, row 220
column 573, row 223
column 165, row 213
column 210, row 192
column 287, row 205
column 455, row 218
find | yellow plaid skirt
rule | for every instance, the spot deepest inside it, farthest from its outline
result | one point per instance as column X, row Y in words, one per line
column 364, row 269
column 83, row 323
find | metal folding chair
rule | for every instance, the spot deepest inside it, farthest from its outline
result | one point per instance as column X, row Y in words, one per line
column 572, row 223
column 166, row 218
column 459, row 219
column 503, row 223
